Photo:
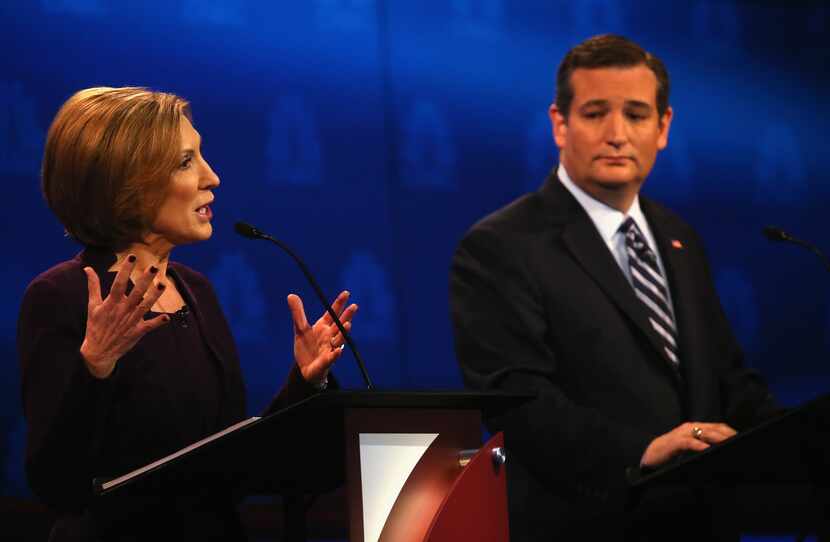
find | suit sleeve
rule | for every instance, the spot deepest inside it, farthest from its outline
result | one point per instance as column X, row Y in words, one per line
column 500, row 330
column 62, row 402
column 295, row 389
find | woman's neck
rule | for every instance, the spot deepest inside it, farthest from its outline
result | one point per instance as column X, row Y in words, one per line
column 152, row 254
column 146, row 255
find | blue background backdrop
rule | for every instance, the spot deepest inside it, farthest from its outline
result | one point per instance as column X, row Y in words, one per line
column 371, row 134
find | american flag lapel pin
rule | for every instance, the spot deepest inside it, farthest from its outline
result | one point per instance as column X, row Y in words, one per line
column 676, row 244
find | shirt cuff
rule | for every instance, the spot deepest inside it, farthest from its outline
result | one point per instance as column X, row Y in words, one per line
column 322, row 385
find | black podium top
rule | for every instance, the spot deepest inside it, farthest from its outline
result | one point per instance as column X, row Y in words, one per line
column 461, row 400
column 299, row 448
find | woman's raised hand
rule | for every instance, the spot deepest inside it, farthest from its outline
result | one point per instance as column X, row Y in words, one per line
column 115, row 324
column 317, row 347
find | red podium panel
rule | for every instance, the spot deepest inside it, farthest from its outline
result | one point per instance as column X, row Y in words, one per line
column 476, row 506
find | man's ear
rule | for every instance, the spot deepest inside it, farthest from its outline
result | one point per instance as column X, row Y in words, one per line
column 665, row 124
column 559, row 125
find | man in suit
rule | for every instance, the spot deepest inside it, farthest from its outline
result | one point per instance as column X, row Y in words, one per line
column 601, row 303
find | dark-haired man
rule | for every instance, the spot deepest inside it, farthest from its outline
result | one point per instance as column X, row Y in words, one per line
column 600, row 302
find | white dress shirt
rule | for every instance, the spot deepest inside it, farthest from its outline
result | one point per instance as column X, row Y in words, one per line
column 608, row 220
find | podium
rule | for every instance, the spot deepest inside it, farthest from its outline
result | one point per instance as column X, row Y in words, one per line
column 413, row 464
column 788, row 451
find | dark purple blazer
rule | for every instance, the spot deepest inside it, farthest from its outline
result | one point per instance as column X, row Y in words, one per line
column 80, row 427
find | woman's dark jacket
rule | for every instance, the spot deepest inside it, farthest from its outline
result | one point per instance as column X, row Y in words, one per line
column 80, row 427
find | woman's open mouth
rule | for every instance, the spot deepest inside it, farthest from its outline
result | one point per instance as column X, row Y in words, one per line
column 204, row 212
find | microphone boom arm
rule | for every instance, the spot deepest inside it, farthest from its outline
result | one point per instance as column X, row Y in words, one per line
column 779, row 235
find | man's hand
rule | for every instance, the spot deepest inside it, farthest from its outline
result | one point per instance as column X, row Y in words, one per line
column 691, row 436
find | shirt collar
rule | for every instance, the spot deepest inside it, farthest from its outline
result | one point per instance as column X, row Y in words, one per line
column 606, row 219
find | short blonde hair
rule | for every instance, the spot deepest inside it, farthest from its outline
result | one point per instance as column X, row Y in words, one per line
column 109, row 156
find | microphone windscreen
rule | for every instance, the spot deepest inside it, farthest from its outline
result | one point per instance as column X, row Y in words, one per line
column 775, row 234
column 245, row 230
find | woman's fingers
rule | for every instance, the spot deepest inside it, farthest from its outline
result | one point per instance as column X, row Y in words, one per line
column 119, row 285
column 337, row 340
column 317, row 348
column 348, row 314
column 295, row 305
column 337, row 306
column 141, row 286
column 94, row 287
column 329, row 355
column 333, row 355
column 150, row 298
column 116, row 324
column 147, row 326
column 345, row 317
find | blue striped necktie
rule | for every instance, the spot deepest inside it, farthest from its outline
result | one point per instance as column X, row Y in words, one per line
column 651, row 287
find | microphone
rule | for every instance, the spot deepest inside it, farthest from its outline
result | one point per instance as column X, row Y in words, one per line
column 778, row 235
column 246, row 230
column 180, row 316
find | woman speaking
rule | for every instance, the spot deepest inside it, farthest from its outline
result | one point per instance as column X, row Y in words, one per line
column 126, row 355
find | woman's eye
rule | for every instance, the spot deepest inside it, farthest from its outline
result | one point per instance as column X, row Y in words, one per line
column 186, row 163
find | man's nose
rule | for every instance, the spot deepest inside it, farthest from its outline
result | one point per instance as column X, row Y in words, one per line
column 615, row 134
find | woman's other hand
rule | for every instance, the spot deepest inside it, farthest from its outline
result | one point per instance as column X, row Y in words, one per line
column 115, row 324
column 317, row 347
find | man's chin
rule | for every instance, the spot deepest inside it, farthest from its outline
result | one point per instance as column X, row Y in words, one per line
column 615, row 180
column 612, row 186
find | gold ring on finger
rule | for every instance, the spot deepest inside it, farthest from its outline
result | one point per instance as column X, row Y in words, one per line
column 697, row 433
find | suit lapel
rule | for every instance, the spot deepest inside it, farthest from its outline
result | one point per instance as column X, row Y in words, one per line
column 674, row 246
column 195, row 310
column 585, row 244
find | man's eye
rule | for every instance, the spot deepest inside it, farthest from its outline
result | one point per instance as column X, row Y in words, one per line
column 636, row 116
column 593, row 114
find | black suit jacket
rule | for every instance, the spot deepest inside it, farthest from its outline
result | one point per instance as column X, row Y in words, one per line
column 80, row 427
column 540, row 305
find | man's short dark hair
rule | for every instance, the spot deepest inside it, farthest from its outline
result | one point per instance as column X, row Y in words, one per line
column 608, row 51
